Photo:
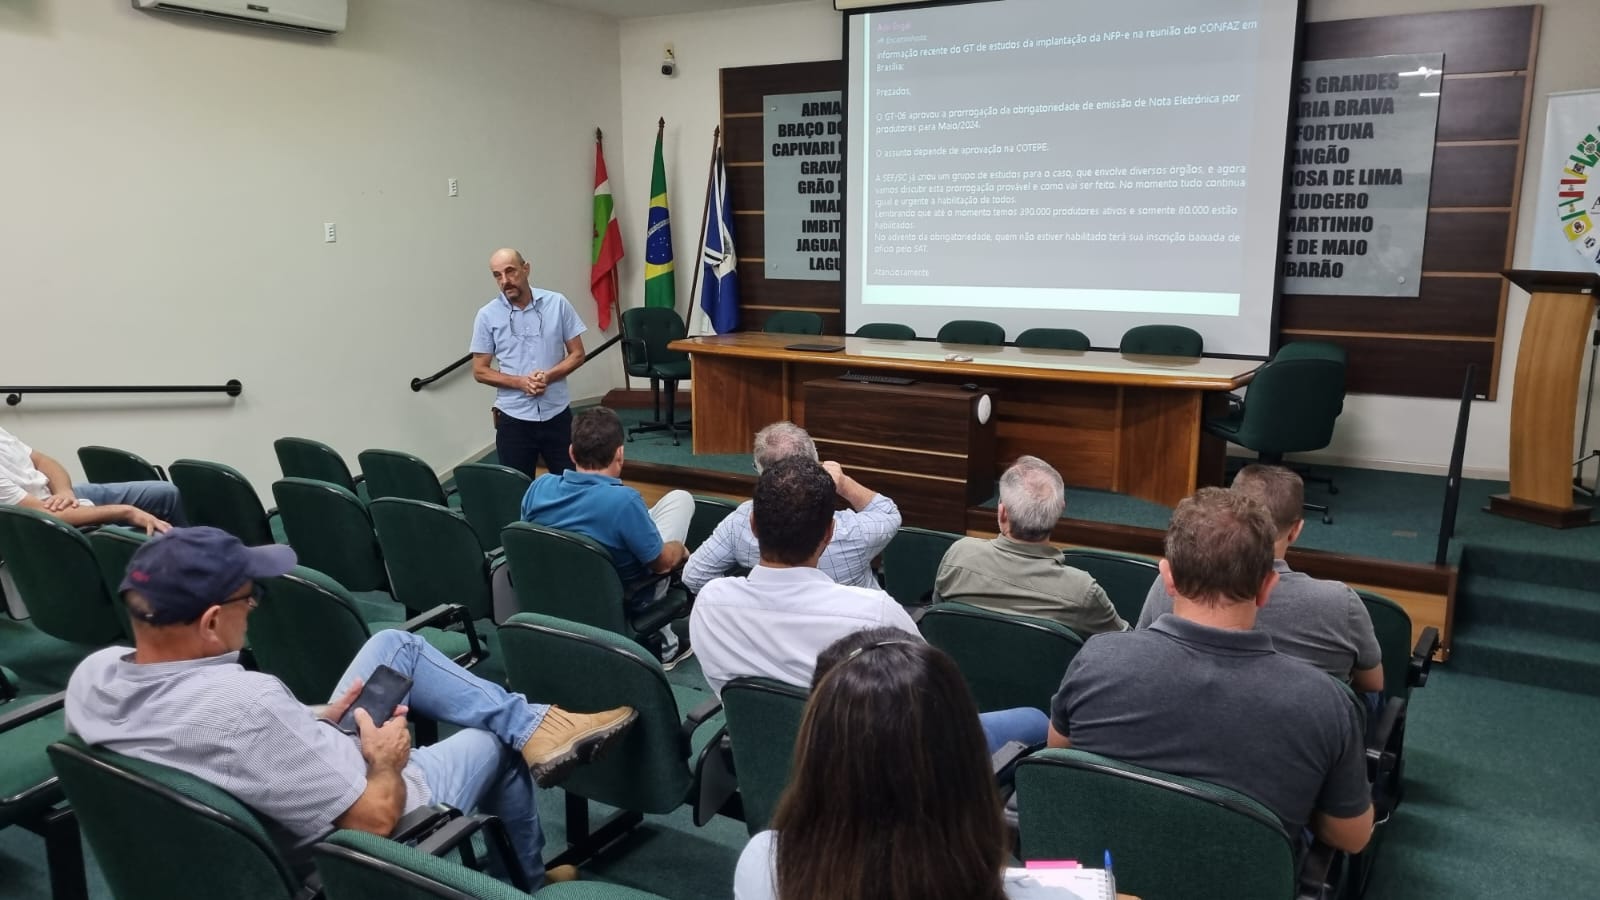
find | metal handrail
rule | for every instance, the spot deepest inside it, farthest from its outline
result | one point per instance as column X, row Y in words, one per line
column 232, row 388
column 418, row 384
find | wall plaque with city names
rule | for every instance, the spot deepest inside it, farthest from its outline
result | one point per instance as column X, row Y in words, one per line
column 1361, row 167
column 804, row 143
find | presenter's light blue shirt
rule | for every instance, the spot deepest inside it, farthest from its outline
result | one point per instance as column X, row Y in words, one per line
column 599, row 507
column 524, row 341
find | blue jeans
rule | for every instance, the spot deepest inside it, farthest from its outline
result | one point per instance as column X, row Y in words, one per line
column 158, row 498
column 478, row 767
column 1025, row 724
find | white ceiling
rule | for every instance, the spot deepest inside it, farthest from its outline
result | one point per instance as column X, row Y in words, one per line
column 628, row 9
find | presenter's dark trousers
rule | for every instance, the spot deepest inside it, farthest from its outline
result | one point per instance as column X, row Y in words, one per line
column 521, row 443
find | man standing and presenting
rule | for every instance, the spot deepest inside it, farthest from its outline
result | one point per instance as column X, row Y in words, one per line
column 534, row 337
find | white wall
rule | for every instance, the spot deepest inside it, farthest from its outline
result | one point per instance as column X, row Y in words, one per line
column 167, row 181
column 1381, row 431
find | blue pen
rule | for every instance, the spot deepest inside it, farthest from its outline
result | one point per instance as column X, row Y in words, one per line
column 1108, row 864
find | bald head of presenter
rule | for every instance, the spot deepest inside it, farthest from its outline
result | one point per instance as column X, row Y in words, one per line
column 525, row 342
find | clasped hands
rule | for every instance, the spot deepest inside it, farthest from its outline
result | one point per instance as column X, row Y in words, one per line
column 535, row 383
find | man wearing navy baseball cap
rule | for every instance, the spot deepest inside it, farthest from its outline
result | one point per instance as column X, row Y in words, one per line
column 180, row 698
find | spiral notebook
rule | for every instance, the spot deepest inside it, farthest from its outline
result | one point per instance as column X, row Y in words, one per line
column 1059, row 881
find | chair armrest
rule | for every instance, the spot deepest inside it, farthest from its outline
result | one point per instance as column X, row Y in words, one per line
column 422, row 821
column 457, row 835
column 1382, row 754
column 28, row 712
column 1316, row 867
column 635, row 352
column 917, row 612
column 440, row 617
column 719, row 784
column 1422, row 657
column 697, row 717
column 7, row 690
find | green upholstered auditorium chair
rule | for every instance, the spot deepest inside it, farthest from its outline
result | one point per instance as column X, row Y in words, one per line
column 1406, row 665
column 220, row 496
column 308, row 628
column 433, row 556
column 763, row 718
column 330, row 530
column 306, row 458
column 792, row 321
column 109, row 465
column 355, row 865
column 1009, row 661
column 1162, row 340
column 887, row 331
column 569, row 576
column 911, row 563
column 646, row 332
column 114, row 546
column 1168, row 836
column 972, row 331
column 1125, row 579
column 708, row 514
column 657, row 767
column 56, row 572
column 391, row 473
column 145, row 823
column 1054, row 339
column 491, row 499
column 30, row 795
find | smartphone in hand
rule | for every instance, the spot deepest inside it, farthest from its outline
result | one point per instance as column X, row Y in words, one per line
column 382, row 692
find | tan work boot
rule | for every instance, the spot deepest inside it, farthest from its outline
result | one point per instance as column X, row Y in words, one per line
column 558, row 874
column 565, row 739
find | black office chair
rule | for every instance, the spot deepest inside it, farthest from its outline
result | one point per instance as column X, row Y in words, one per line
column 646, row 332
column 972, row 331
column 1290, row 408
column 793, row 321
column 1162, row 340
column 887, row 331
column 1054, row 339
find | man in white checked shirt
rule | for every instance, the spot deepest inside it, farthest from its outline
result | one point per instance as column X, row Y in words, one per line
column 859, row 533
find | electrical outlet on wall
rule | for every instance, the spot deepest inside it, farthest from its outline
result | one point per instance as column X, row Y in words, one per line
column 455, row 189
column 330, row 232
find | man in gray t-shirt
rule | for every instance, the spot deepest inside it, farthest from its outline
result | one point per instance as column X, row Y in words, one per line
column 1322, row 622
column 1202, row 694
column 180, row 698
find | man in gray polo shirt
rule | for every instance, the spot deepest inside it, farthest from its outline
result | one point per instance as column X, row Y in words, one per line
column 180, row 698
column 1322, row 622
column 1202, row 694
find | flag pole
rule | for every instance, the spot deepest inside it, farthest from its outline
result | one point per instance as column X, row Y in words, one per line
column 705, row 213
column 616, row 295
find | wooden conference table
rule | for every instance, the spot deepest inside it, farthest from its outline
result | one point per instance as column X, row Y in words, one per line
column 1129, row 424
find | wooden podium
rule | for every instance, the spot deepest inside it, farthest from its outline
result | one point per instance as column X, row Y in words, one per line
column 922, row 444
column 1544, row 397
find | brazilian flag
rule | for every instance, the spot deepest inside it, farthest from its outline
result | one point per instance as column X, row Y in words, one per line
column 659, row 288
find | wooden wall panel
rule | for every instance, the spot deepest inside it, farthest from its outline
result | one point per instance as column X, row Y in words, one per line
column 1393, row 343
column 742, row 91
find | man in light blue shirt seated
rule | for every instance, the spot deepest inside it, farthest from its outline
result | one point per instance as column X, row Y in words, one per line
column 534, row 338
column 591, row 500
column 859, row 533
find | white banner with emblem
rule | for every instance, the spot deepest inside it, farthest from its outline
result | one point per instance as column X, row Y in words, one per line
column 1568, row 208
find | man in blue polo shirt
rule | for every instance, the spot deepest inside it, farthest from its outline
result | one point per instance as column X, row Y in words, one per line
column 533, row 337
column 591, row 500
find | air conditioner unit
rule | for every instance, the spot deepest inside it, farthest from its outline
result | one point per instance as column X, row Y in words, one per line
column 317, row 16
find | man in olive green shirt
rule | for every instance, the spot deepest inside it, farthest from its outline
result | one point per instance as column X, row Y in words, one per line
column 1019, row 572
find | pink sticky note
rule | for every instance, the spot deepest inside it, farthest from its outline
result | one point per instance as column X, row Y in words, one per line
column 1052, row 864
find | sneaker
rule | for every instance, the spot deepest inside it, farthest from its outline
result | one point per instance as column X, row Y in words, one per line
column 565, row 739
column 683, row 652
